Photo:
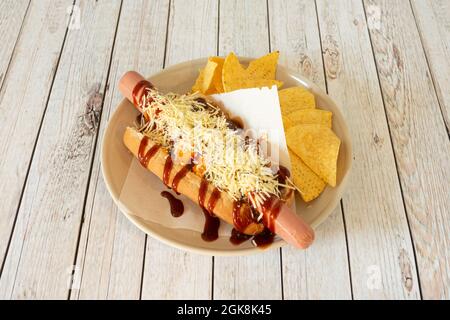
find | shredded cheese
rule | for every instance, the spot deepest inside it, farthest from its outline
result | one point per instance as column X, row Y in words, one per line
column 193, row 128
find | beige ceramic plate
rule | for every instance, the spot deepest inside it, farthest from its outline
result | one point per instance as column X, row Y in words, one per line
column 179, row 78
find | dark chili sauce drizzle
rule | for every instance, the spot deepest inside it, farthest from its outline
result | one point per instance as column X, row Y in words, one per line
column 240, row 223
column 271, row 208
column 237, row 237
column 179, row 176
column 235, row 124
column 140, row 86
column 145, row 156
column 242, row 219
column 215, row 196
column 212, row 223
column 176, row 205
column 168, row 165
column 263, row 239
column 283, row 173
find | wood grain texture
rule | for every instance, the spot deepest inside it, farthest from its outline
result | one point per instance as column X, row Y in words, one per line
column 380, row 249
column 321, row 272
column 12, row 15
column 171, row 273
column 433, row 21
column 42, row 250
column 244, row 30
column 385, row 63
column 248, row 277
column 294, row 31
column 111, row 249
column 23, row 99
column 174, row 274
column 420, row 140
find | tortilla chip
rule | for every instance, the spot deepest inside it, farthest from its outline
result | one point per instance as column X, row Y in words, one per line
column 318, row 147
column 264, row 67
column 235, row 76
column 197, row 87
column 217, row 79
column 309, row 116
column 208, row 75
column 295, row 98
column 250, row 83
column 309, row 183
column 287, row 123
column 232, row 72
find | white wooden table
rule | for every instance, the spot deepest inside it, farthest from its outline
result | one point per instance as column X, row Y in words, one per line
column 387, row 63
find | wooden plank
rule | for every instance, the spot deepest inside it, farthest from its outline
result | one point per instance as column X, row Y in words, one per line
column 294, row 31
column 43, row 246
column 12, row 15
column 321, row 272
column 29, row 79
column 433, row 21
column 171, row 273
column 244, row 30
column 111, row 249
column 419, row 138
column 380, row 249
column 248, row 277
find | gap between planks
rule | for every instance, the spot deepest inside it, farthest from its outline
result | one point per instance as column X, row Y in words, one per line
column 4, row 74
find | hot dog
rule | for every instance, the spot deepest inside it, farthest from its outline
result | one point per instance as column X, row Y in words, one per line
column 277, row 215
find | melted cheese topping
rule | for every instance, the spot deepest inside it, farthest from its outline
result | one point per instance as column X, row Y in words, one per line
column 193, row 130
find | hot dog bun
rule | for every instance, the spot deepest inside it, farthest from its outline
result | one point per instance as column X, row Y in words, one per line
column 190, row 184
